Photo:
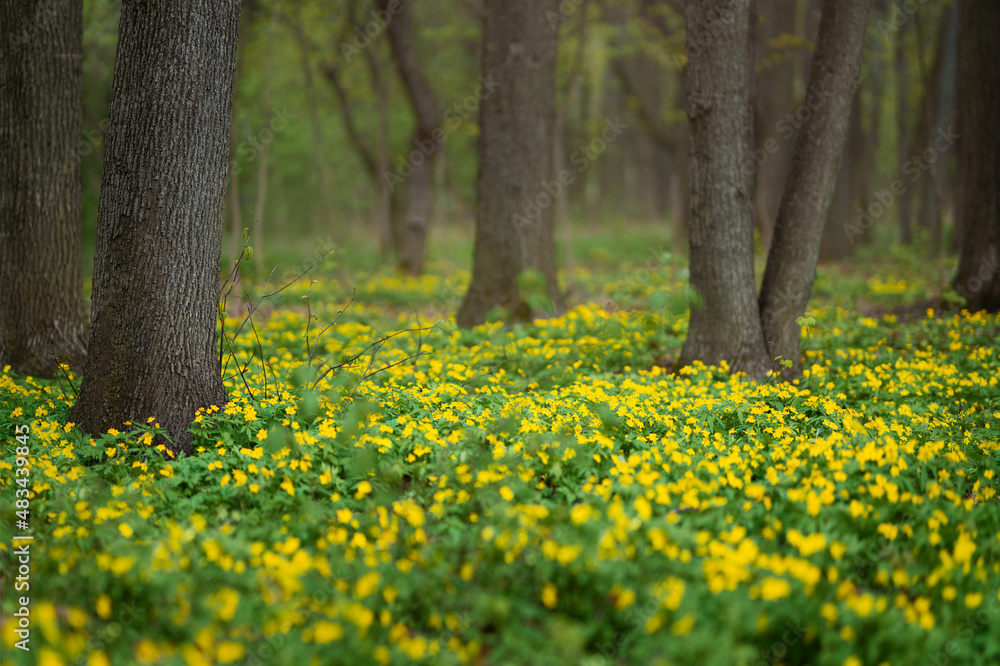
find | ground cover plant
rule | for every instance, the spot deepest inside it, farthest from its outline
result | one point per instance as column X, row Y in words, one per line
column 539, row 493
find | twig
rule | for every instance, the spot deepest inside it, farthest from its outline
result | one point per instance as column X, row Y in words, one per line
column 331, row 368
column 68, row 380
column 260, row 347
column 775, row 372
column 488, row 372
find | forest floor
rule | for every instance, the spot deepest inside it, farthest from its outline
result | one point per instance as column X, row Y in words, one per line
column 546, row 493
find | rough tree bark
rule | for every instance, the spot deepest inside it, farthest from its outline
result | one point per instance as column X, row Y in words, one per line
column 791, row 263
column 725, row 326
column 410, row 232
column 514, row 210
column 153, row 349
column 978, row 278
column 42, row 319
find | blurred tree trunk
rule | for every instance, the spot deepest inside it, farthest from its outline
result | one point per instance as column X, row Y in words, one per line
column 773, row 102
column 947, row 113
column 978, row 278
column 375, row 162
column 811, row 11
column 850, row 193
column 153, row 348
column 234, row 203
column 902, row 127
column 411, row 229
column 930, row 211
column 42, row 319
column 305, row 49
column 593, row 114
column 384, row 208
column 559, row 143
column 268, row 111
column 791, row 262
column 725, row 325
column 515, row 188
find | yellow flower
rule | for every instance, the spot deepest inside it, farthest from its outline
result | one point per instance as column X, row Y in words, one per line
column 103, row 606
column 262, row 434
column 683, row 626
column 98, row 659
column 973, row 599
column 367, row 584
column 774, row 588
column 829, row 612
column 964, row 548
column 287, row 486
column 125, row 529
column 327, row 632
column 146, row 652
column 364, row 488
column 229, row 652
column 507, row 493
column 49, row 658
column 625, row 599
column 550, row 595
column 889, row 531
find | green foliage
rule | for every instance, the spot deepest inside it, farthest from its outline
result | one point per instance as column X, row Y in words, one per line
column 537, row 493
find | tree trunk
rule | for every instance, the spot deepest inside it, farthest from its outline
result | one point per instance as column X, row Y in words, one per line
column 383, row 208
column 791, row 262
column 234, row 199
column 725, row 325
column 153, row 349
column 305, row 50
column 978, row 278
column 811, row 12
column 842, row 228
column 42, row 320
column 559, row 144
column 234, row 204
column 902, row 124
column 947, row 112
column 262, row 172
column 931, row 197
column 516, row 181
column 424, row 144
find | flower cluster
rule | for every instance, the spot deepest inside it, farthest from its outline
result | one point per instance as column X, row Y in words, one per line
column 540, row 493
